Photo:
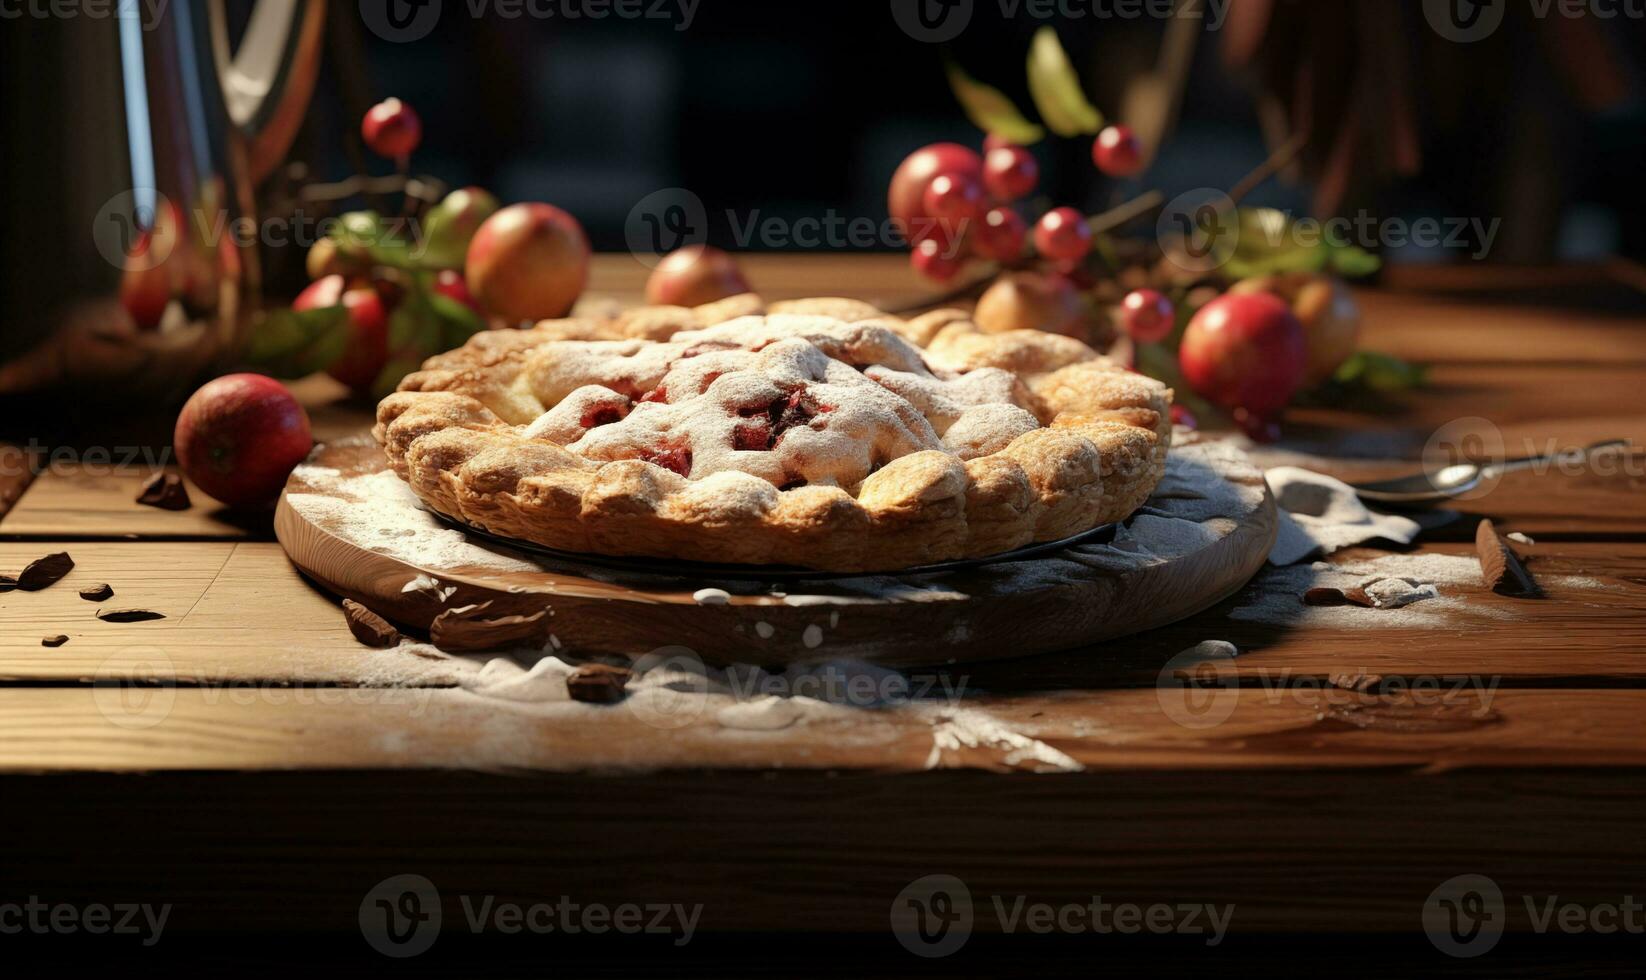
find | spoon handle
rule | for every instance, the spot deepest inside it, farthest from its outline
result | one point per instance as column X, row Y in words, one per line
column 1511, row 465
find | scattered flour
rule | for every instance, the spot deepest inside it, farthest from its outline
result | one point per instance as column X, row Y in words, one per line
column 767, row 714
column 956, row 729
column 1414, row 590
column 382, row 514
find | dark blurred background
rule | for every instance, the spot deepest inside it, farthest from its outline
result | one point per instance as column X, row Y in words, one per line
column 786, row 110
column 802, row 110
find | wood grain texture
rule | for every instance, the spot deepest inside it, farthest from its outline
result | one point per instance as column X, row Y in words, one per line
column 118, row 726
column 225, row 602
column 78, row 500
column 234, row 612
column 962, row 616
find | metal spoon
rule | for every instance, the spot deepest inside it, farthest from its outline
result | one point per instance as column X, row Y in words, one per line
column 1460, row 478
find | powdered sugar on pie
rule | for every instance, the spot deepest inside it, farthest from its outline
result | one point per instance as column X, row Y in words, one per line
column 788, row 438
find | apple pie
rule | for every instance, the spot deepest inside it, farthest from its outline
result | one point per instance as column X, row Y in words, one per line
column 820, row 436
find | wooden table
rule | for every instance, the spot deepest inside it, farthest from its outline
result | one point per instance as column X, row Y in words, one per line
column 269, row 781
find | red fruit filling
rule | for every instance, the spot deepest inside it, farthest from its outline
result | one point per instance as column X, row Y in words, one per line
column 658, row 394
column 752, row 437
column 777, row 417
column 676, row 458
column 601, row 415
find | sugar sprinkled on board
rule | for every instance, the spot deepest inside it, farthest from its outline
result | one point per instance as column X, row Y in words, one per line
column 1416, row 591
column 379, row 512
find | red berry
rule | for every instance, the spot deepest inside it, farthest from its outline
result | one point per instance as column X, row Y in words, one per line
column 1147, row 316
column 1117, row 152
column 391, row 129
column 991, row 142
column 1063, row 234
column 954, row 197
column 1009, row 172
column 1182, row 416
column 936, row 259
column 905, row 200
column 1001, row 235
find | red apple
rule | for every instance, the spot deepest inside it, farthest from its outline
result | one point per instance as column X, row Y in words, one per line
column 240, row 436
column 368, row 348
column 528, row 262
column 695, row 275
column 391, row 129
column 450, row 226
column 1328, row 312
column 1245, row 352
column 906, row 199
column 1032, row 301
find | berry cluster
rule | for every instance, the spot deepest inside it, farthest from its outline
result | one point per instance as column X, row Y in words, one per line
column 956, row 205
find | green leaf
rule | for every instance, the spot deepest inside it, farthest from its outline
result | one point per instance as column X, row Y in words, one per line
column 1056, row 88
column 1269, row 245
column 289, row 344
column 990, row 110
column 415, row 329
column 1380, row 372
column 1354, row 262
column 459, row 322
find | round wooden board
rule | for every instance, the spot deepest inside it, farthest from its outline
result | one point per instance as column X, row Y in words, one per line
column 990, row 613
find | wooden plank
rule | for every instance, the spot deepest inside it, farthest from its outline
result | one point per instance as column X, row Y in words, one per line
column 241, row 612
column 814, row 853
column 81, row 500
column 233, row 612
column 1498, row 329
column 117, row 727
